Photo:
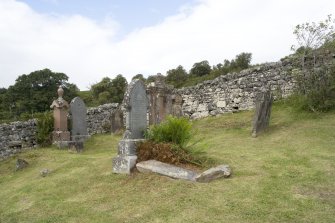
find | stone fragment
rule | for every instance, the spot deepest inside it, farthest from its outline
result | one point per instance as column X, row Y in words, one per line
column 166, row 170
column 213, row 173
column 44, row 172
column 262, row 112
column 21, row 164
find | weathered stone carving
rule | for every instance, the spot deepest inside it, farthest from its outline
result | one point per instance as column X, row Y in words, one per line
column 60, row 113
column 261, row 120
column 136, row 105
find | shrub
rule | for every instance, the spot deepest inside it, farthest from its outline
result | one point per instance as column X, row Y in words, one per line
column 172, row 130
column 315, row 88
column 45, row 125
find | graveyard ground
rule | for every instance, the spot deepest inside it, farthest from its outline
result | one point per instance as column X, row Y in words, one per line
column 284, row 175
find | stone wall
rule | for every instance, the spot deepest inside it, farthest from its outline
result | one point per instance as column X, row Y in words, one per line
column 16, row 136
column 99, row 119
column 236, row 91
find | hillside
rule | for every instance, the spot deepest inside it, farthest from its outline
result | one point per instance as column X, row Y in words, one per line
column 284, row 175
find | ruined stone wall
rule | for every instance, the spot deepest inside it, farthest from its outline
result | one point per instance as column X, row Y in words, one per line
column 99, row 118
column 236, row 91
column 16, row 136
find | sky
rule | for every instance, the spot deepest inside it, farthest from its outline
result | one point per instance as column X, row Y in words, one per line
column 88, row 40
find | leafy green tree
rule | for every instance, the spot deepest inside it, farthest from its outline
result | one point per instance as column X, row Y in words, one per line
column 35, row 92
column 200, row 69
column 177, row 76
column 109, row 90
column 139, row 76
column 241, row 62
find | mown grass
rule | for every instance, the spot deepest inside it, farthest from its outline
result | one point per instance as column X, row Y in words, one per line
column 285, row 175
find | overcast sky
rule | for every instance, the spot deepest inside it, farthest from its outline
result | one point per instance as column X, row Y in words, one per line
column 89, row 40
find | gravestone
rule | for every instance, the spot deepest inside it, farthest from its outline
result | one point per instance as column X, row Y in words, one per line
column 261, row 120
column 135, row 103
column 117, row 121
column 78, row 116
column 60, row 113
column 177, row 102
column 160, row 100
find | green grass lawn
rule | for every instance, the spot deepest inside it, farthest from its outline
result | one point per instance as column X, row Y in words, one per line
column 285, row 175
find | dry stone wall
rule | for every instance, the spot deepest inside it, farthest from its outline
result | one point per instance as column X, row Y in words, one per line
column 16, row 136
column 236, row 91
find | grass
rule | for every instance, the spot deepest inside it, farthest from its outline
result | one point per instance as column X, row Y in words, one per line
column 286, row 174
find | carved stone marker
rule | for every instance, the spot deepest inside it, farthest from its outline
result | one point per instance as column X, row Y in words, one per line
column 261, row 120
column 117, row 120
column 60, row 107
column 79, row 125
column 177, row 102
column 136, row 104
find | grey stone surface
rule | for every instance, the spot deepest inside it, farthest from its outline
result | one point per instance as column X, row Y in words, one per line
column 44, row 172
column 76, row 146
column 137, row 115
column 166, row 170
column 123, row 164
column 78, row 117
column 136, row 105
column 117, row 121
column 21, row 164
column 262, row 112
column 214, row 173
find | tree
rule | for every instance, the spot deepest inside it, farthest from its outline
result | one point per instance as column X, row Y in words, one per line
column 177, row 76
column 139, row 76
column 109, row 90
column 34, row 92
column 311, row 36
column 241, row 62
column 200, row 69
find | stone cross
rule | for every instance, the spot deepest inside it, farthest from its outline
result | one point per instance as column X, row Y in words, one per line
column 135, row 103
column 78, row 116
column 60, row 112
column 261, row 120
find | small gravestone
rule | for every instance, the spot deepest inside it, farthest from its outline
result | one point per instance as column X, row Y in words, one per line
column 78, row 116
column 21, row 164
column 177, row 102
column 117, row 121
column 136, row 105
column 262, row 113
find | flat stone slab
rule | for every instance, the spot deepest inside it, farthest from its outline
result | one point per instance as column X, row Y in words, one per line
column 213, row 173
column 166, row 170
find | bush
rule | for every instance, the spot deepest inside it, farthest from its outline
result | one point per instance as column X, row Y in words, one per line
column 315, row 88
column 45, row 125
column 172, row 130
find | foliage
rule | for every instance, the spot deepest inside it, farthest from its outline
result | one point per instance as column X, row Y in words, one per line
column 176, row 76
column 315, row 88
column 314, row 35
column 34, row 93
column 200, row 69
column 45, row 125
column 109, row 90
column 139, row 76
column 172, row 130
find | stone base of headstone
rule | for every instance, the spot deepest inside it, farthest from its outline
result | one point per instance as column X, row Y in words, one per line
column 124, row 164
column 126, row 159
column 62, row 144
column 81, row 138
column 60, row 136
column 76, row 146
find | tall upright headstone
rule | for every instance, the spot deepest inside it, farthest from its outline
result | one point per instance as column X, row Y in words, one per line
column 117, row 120
column 136, row 105
column 60, row 112
column 78, row 117
column 160, row 100
column 261, row 120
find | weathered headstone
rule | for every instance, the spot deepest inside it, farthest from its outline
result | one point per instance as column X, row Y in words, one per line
column 160, row 100
column 177, row 102
column 261, row 120
column 136, row 104
column 117, row 120
column 78, row 116
column 21, row 164
column 60, row 112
